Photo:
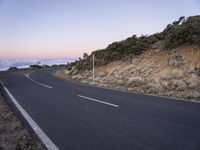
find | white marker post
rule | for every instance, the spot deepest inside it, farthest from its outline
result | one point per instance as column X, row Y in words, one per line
column 93, row 68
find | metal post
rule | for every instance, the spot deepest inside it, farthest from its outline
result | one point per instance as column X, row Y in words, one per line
column 93, row 68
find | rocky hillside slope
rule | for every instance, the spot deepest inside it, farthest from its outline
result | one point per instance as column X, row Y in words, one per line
column 166, row 63
column 175, row 73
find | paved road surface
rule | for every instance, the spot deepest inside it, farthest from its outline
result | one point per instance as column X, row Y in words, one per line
column 79, row 117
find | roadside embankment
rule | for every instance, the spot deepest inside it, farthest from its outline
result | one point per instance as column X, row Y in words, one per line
column 13, row 135
column 172, row 73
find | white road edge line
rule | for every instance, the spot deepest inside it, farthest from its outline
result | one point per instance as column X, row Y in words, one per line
column 41, row 84
column 98, row 101
column 43, row 137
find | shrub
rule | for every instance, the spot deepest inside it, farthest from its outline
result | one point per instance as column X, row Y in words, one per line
column 183, row 32
column 13, row 69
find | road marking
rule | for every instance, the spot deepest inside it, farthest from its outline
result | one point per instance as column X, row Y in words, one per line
column 92, row 99
column 41, row 84
column 152, row 95
column 43, row 137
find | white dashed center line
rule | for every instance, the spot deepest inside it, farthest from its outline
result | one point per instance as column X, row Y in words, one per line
column 41, row 84
column 99, row 101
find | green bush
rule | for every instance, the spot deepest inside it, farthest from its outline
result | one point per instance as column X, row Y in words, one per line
column 184, row 32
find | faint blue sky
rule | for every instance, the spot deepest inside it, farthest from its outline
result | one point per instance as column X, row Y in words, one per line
column 67, row 28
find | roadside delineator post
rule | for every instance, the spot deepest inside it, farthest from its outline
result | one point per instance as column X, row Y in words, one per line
column 93, row 68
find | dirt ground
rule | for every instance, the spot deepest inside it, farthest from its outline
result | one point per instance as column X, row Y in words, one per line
column 13, row 135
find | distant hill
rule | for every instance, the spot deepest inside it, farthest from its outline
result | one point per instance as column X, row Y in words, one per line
column 185, row 31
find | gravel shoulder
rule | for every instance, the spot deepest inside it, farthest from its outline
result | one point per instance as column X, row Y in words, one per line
column 13, row 135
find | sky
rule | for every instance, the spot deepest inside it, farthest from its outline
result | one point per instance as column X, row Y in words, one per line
column 69, row 28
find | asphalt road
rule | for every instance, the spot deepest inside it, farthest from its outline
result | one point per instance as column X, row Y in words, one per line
column 79, row 117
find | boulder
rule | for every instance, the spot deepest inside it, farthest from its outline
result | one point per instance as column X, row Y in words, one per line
column 176, row 61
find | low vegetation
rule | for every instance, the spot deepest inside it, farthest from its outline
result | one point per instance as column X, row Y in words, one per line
column 184, row 31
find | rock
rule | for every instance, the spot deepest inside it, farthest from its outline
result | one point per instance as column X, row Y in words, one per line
column 176, row 61
column 135, row 81
column 178, row 85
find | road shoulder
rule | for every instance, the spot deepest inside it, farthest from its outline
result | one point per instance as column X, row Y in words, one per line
column 13, row 134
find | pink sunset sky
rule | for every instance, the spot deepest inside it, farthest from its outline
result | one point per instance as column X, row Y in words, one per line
column 67, row 29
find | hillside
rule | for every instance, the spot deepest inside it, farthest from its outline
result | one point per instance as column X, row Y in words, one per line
column 166, row 63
